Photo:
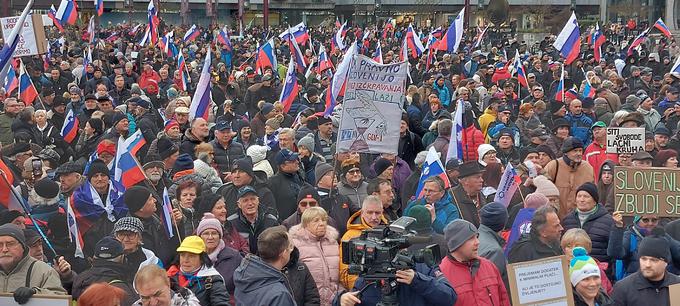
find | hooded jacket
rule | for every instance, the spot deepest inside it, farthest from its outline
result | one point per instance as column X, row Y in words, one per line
column 322, row 257
column 355, row 225
column 259, row 284
column 207, row 285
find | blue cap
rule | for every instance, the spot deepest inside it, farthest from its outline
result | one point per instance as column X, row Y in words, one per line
column 243, row 191
column 222, row 126
column 284, row 156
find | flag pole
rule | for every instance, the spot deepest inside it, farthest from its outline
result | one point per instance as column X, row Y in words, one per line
column 563, row 85
column 27, row 211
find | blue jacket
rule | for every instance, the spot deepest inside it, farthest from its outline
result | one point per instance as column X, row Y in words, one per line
column 580, row 127
column 429, row 287
column 623, row 245
column 446, row 211
column 257, row 283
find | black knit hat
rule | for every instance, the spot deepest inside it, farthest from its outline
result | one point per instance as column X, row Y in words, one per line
column 96, row 124
column 655, row 245
column 591, row 189
column 97, row 166
column 166, row 148
column 207, row 202
column 308, row 192
column 135, row 198
column 46, row 188
column 245, row 165
column 183, row 162
column 381, row 164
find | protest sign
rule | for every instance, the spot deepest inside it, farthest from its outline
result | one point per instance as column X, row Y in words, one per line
column 371, row 109
column 7, row 299
column 31, row 38
column 541, row 282
column 625, row 140
column 639, row 191
column 674, row 294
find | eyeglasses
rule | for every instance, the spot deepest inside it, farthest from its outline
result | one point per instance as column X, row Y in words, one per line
column 9, row 244
column 125, row 234
column 307, row 203
column 649, row 220
column 354, row 171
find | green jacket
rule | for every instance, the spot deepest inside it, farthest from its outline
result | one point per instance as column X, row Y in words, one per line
column 43, row 278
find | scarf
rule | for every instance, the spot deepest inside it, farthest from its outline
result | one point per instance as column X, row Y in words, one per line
column 218, row 249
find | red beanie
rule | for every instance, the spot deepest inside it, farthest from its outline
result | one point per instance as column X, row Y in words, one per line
column 106, row 146
column 171, row 124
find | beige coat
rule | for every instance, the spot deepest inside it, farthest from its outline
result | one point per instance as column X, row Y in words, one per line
column 567, row 181
column 43, row 278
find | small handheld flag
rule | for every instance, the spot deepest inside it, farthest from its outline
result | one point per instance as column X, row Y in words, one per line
column 568, row 42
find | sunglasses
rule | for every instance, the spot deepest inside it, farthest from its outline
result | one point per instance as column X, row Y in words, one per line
column 307, row 203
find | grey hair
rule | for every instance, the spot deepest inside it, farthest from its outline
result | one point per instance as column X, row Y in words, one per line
column 371, row 199
column 540, row 218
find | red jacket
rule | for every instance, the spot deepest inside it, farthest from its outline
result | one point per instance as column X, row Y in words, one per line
column 596, row 154
column 484, row 288
column 472, row 138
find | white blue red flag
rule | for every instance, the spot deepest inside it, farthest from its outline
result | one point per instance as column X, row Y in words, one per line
column 11, row 42
column 338, row 80
column 298, row 31
column 506, row 188
column 638, row 41
column 568, row 42
column 325, row 62
column 99, row 7
column 661, row 26
column 12, row 82
column 91, row 30
column 432, row 167
column 676, row 66
column 152, row 14
column 52, row 14
column 454, row 35
column 290, row 88
column 182, row 68
column 167, row 213
column 69, row 130
column 200, row 103
column 74, row 233
column 266, row 57
column 559, row 90
column 377, row 56
column 598, row 40
column 166, row 42
column 27, row 91
column 146, row 38
column 67, row 13
column 191, row 34
column 223, row 38
column 337, row 41
column 480, row 37
column 297, row 55
column 414, row 43
column 127, row 170
column 521, row 74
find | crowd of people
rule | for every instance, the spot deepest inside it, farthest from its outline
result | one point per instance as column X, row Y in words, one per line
column 261, row 201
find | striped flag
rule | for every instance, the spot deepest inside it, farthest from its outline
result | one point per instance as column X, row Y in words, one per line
column 67, row 13
column 52, row 14
column 200, row 103
column 69, row 130
column 290, row 88
column 661, row 26
column 455, row 149
column 99, row 7
column 74, row 233
column 181, row 67
column 11, row 42
column 127, row 170
column 191, row 34
column 508, row 186
column 480, row 37
column 568, row 42
column 432, row 167
column 377, row 56
column 167, row 213
column 638, row 41
column 27, row 91
column 91, row 30
column 12, row 82
column 451, row 40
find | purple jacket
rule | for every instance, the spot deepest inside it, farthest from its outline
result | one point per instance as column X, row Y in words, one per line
column 401, row 172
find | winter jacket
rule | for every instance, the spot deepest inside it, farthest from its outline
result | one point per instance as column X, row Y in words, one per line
column 429, row 288
column 598, row 226
column 322, row 257
column 652, row 118
column 285, row 188
column 355, row 225
column 441, row 145
column 104, row 271
column 356, row 195
column 567, row 179
column 596, row 154
column 228, row 259
column 230, row 194
column 476, row 283
column 637, row 290
column 44, row 279
column 472, row 138
column 486, row 119
column 207, row 284
column 623, row 245
column 446, row 211
column 189, row 143
column 208, row 174
column 580, row 127
column 491, row 247
column 148, row 124
column 259, row 284
column 252, row 231
column 467, row 207
column 602, row 299
column 226, row 156
column 301, row 281
column 409, row 146
column 338, row 208
column 443, row 94
column 431, row 117
column 509, row 156
column 530, row 247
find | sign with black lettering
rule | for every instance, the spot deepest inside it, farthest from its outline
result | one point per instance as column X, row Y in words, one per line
column 31, row 38
column 625, row 140
column 541, row 282
column 639, row 191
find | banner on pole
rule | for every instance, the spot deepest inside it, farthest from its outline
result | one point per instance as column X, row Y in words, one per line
column 371, row 109
column 31, row 37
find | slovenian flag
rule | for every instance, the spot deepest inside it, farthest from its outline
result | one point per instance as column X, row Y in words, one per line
column 521, row 74
column 338, row 80
column 455, row 149
column 337, row 39
column 290, row 88
column 414, row 43
column 167, row 213
column 91, row 30
column 74, row 233
column 200, row 103
column 27, row 91
column 506, row 188
column 127, row 170
column 181, row 67
column 88, row 206
column 432, row 167
column 480, row 37
column 661, row 26
column 598, row 39
column 568, row 42
column 377, row 55
column 191, row 34
column 223, row 38
column 12, row 81
column 325, row 62
column 11, row 42
column 52, row 14
column 69, row 130
column 559, row 90
column 298, row 31
column 266, row 56
column 99, row 7
column 297, row 55
column 454, row 35
column 637, row 41
column 152, row 13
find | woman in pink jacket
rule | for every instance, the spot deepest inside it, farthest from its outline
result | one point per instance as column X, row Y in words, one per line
column 319, row 250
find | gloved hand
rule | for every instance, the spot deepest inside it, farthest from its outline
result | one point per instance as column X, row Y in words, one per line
column 23, row 294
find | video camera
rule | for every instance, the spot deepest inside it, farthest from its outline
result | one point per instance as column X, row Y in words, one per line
column 380, row 252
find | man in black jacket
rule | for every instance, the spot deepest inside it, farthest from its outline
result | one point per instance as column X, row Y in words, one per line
column 337, row 205
column 543, row 240
column 286, row 184
column 649, row 285
column 226, row 150
column 242, row 175
column 107, row 267
column 249, row 220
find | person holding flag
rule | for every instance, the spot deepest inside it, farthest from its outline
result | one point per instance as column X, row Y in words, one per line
column 438, row 201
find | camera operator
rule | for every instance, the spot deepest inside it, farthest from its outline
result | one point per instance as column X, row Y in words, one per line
column 475, row 279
